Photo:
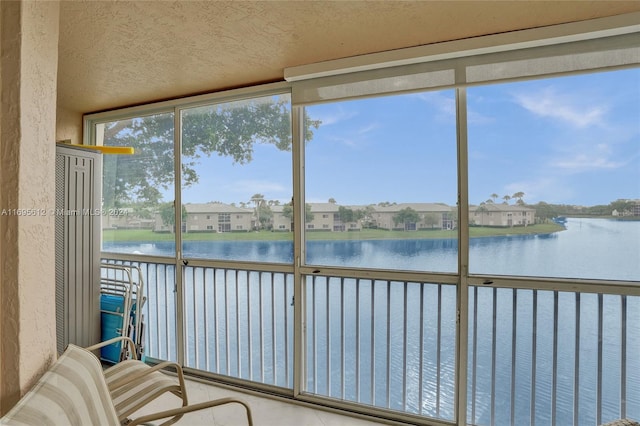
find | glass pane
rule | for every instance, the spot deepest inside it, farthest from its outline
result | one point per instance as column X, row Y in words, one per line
column 554, row 177
column 136, row 187
column 236, row 179
column 381, row 183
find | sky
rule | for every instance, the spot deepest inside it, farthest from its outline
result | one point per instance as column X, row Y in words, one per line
column 566, row 140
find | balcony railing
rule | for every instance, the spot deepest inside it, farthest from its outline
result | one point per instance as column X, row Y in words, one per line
column 534, row 356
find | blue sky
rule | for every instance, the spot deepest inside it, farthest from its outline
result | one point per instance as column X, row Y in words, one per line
column 570, row 140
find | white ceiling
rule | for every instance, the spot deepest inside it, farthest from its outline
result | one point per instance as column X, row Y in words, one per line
column 120, row 53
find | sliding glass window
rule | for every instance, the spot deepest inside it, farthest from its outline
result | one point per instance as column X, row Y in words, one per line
column 237, row 180
column 137, row 189
column 554, row 177
column 381, row 183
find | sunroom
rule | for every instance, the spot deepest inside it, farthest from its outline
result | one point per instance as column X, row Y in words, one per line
column 511, row 319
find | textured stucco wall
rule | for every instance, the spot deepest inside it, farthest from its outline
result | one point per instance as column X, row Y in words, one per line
column 68, row 125
column 28, row 62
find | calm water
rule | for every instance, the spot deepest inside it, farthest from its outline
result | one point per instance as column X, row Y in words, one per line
column 588, row 248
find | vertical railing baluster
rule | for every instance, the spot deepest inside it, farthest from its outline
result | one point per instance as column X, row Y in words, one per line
column 238, row 342
column 207, row 358
column 600, row 347
column 404, row 348
column 534, row 333
column 421, row 349
column 328, row 335
column 474, row 355
column 493, row 353
column 576, row 367
column 439, row 351
column 373, row 343
column 195, row 318
column 554, row 377
column 514, row 335
column 166, row 306
column 623, row 357
column 261, row 324
column 314, row 335
column 274, row 330
column 285, row 331
column 226, row 320
column 216, row 346
column 357, row 355
column 388, row 364
column 342, row 332
column 249, row 332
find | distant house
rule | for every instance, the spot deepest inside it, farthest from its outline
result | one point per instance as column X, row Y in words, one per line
column 490, row 214
column 279, row 221
column 126, row 218
column 331, row 217
column 212, row 217
column 431, row 216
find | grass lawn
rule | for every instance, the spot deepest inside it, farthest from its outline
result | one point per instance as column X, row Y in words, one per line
column 122, row 235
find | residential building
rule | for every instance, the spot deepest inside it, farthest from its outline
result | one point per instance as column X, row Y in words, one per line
column 490, row 214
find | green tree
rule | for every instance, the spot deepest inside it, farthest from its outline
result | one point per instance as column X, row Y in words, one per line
column 431, row 219
column 519, row 196
column 506, row 199
column 406, row 216
column 482, row 209
column 287, row 211
column 225, row 130
column 168, row 216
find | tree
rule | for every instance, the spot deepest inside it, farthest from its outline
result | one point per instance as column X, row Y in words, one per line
column 227, row 130
column 494, row 196
column 431, row 219
column 168, row 216
column 264, row 216
column 406, row 216
column 482, row 209
column 506, row 199
column 257, row 200
column 287, row 211
column 519, row 196
column 332, row 200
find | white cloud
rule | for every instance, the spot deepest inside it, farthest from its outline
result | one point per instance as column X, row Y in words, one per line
column 337, row 115
column 567, row 108
column 446, row 106
column 597, row 159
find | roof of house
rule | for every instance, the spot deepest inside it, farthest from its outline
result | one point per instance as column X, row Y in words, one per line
column 215, row 208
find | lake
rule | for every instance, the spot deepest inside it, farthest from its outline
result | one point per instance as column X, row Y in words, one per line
column 588, row 248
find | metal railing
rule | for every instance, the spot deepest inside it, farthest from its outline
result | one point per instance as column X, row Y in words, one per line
column 552, row 357
column 383, row 343
column 535, row 356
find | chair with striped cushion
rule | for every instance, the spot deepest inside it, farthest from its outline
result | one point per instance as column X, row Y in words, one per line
column 134, row 384
column 72, row 392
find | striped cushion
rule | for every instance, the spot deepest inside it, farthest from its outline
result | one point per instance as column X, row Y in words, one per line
column 137, row 393
column 73, row 392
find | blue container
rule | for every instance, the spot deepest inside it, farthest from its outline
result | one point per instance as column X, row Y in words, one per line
column 111, row 308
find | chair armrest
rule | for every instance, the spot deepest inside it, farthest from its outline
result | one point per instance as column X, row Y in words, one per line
column 190, row 408
column 132, row 346
column 135, row 376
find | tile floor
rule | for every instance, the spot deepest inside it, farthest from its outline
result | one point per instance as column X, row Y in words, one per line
column 266, row 411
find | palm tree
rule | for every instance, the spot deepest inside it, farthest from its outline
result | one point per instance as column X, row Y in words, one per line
column 519, row 196
column 482, row 209
column 257, row 199
column 494, row 196
column 506, row 199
